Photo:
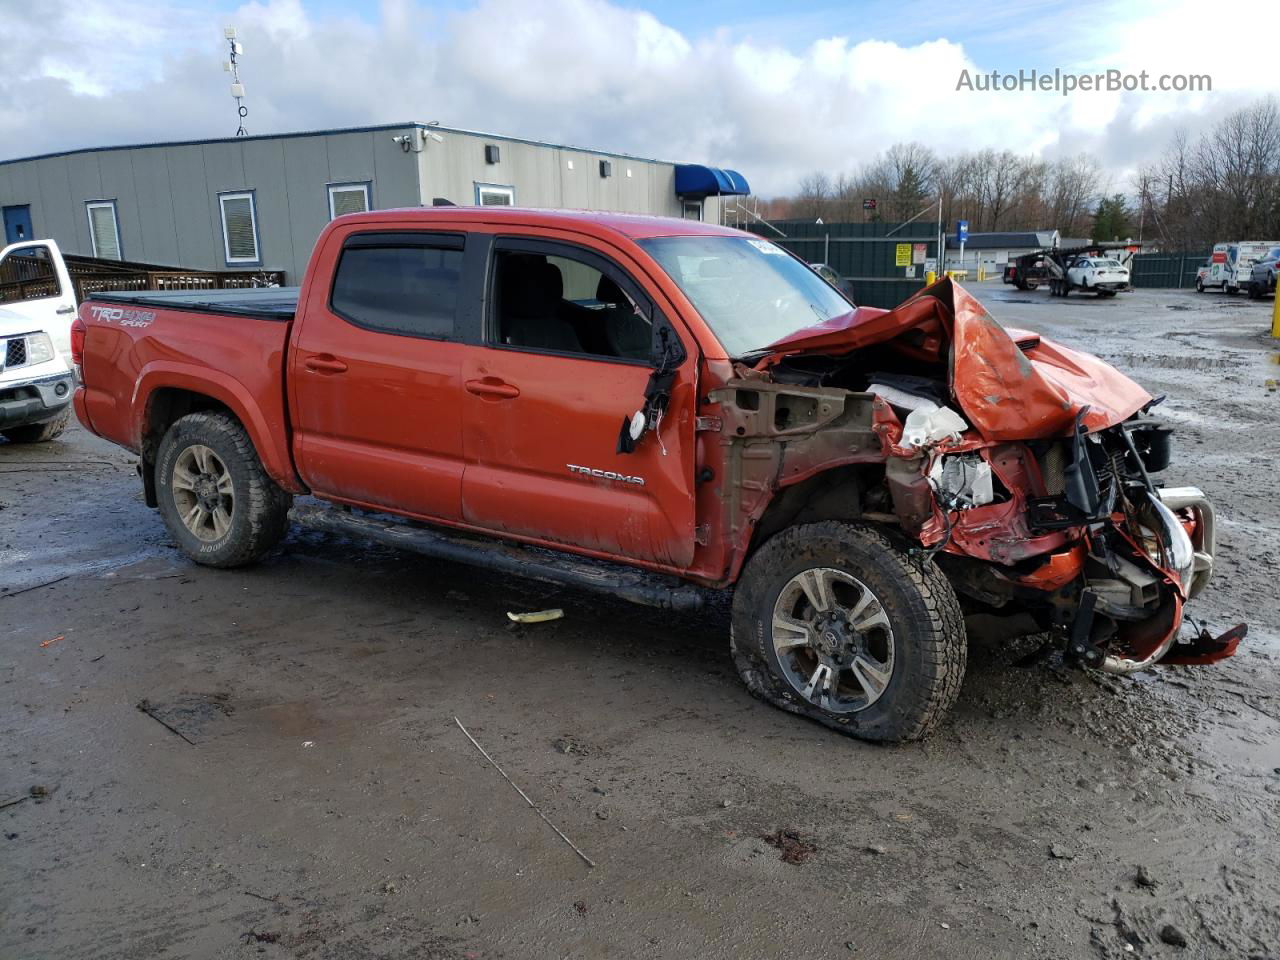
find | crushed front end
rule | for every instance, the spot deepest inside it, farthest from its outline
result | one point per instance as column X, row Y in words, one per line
column 1074, row 531
column 1026, row 470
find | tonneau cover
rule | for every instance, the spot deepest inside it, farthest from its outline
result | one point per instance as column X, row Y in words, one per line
column 269, row 303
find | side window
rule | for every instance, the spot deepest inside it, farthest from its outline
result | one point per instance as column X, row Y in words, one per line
column 398, row 286
column 239, row 228
column 494, row 195
column 104, row 229
column 565, row 304
column 347, row 198
column 28, row 275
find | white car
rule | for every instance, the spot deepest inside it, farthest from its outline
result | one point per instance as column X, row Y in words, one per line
column 37, row 305
column 1102, row 275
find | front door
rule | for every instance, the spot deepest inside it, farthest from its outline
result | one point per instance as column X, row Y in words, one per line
column 36, row 285
column 374, row 372
column 566, row 360
column 17, row 224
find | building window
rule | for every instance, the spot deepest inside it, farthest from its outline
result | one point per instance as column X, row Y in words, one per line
column 399, row 285
column 104, row 230
column 239, row 228
column 692, row 210
column 494, row 195
column 347, row 198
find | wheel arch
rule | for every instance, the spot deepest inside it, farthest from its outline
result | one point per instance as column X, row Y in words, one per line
column 834, row 492
column 163, row 396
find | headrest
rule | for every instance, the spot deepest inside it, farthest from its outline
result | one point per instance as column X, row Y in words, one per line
column 608, row 291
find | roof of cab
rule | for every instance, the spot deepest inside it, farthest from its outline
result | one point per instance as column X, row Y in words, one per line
column 633, row 225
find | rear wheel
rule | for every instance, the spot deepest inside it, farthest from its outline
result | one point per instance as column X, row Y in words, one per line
column 215, row 497
column 39, row 432
column 1199, row 285
column 1255, row 290
column 834, row 622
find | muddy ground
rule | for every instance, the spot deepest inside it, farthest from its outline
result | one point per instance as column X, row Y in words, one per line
column 316, row 799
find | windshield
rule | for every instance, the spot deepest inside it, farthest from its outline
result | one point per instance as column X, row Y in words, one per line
column 749, row 291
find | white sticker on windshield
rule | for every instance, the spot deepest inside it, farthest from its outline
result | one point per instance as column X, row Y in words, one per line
column 764, row 246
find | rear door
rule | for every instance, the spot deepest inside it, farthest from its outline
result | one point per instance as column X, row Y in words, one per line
column 374, row 370
column 565, row 360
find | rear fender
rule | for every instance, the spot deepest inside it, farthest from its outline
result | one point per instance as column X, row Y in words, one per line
column 269, row 435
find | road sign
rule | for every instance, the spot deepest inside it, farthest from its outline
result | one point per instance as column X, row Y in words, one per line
column 962, row 230
column 902, row 255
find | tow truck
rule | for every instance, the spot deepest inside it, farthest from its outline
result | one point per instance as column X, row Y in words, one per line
column 1054, row 266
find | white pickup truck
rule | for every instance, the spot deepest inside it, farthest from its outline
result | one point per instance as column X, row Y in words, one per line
column 37, row 305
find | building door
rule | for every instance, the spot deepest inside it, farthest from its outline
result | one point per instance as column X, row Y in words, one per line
column 17, row 224
column 566, row 361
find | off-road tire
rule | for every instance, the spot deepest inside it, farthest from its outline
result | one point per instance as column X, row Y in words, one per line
column 930, row 644
column 260, row 517
column 39, row 432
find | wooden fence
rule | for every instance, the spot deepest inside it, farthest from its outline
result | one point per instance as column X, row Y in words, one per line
column 25, row 277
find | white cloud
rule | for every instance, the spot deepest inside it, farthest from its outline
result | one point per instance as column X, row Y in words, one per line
column 587, row 72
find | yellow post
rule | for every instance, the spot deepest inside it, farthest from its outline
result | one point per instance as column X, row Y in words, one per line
column 930, row 276
column 1275, row 315
column 981, row 274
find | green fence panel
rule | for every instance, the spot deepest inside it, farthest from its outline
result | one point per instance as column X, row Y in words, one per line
column 866, row 254
column 1168, row 270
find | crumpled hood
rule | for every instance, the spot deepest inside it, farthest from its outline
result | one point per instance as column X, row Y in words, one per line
column 1010, row 384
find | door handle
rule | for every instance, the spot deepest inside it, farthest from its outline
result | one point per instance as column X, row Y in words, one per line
column 325, row 363
column 493, row 387
column 66, row 310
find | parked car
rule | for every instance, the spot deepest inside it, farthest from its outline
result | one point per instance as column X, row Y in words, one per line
column 840, row 283
column 724, row 420
column 37, row 306
column 1262, row 275
column 1104, row 276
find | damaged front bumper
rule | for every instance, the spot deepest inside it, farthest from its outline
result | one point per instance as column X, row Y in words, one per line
column 1107, row 558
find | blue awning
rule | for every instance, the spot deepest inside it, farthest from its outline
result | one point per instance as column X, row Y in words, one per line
column 695, row 180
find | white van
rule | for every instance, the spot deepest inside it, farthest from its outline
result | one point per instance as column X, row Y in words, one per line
column 1230, row 265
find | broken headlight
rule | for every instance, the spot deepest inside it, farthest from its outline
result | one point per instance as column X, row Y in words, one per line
column 962, row 481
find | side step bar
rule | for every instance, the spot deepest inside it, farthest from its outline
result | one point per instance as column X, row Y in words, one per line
column 533, row 563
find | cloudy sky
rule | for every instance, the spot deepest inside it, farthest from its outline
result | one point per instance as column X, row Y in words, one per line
column 772, row 89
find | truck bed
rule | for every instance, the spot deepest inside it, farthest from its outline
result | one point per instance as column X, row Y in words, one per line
column 266, row 303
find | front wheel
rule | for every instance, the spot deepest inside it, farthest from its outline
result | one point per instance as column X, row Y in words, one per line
column 215, row 497
column 835, row 622
column 39, row 432
column 1199, row 286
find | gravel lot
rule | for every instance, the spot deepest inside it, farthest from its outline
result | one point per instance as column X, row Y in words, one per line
column 315, row 798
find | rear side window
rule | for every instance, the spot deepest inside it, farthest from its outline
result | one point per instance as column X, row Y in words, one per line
column 404, row 288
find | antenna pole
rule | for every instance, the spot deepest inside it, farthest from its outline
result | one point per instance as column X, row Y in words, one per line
column 232, row 66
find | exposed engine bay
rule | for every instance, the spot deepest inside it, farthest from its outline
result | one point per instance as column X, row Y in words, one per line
column 1026, row 470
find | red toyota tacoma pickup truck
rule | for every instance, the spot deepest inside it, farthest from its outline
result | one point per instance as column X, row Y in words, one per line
column 664, row 409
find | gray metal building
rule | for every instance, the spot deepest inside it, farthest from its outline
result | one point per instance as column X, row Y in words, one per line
column 261, row 201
